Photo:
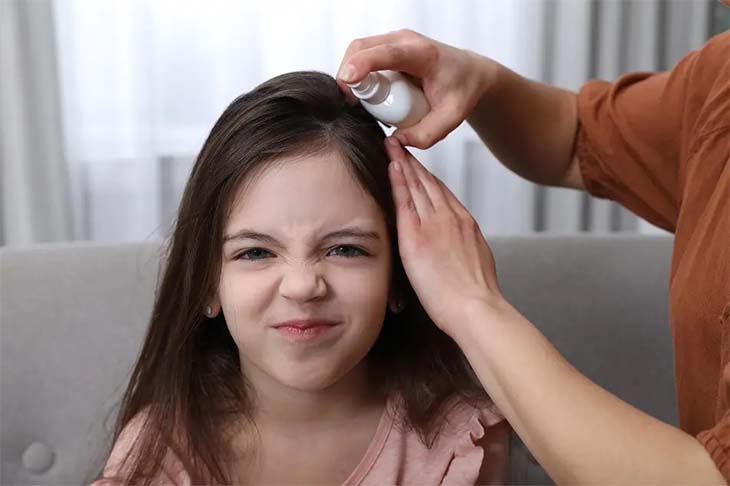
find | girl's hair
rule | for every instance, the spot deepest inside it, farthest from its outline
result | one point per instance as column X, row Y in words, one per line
column 187, row 378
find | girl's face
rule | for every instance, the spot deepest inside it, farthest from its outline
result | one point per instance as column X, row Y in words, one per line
column 306, row 245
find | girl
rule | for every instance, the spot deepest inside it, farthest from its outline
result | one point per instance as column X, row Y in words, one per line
column 286, row 344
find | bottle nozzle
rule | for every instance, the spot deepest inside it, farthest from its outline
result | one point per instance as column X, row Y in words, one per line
column 373, row 88
column 364, row 84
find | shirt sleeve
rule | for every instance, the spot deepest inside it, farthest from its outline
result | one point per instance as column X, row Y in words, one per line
column 634, row 133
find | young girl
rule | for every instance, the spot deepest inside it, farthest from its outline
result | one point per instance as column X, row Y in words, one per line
column 286, row 345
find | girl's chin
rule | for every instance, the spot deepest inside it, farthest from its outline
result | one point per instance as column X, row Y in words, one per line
column 307, row 383
column 312, row 378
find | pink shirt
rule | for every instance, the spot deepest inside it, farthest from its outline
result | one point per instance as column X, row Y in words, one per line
column 471, row 449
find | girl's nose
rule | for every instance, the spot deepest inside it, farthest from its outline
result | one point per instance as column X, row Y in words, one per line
column 302, row 283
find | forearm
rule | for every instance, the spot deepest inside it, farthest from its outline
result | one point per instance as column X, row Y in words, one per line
column 529, row 126
column 580, row 433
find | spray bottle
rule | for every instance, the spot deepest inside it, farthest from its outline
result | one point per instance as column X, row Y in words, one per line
column 391, row 98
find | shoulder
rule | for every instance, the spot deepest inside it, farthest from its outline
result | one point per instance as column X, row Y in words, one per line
column 467, row 429
column 478, row 438
column 712, row 59
column 708, row 84
column 460, row 415
column 126, row 451
column 471, row 447
column 461, row 423
column 127, row 441
column 673, row 96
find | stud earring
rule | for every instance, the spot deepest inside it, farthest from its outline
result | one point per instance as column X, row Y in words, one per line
column 208, row 311
column 398, row 307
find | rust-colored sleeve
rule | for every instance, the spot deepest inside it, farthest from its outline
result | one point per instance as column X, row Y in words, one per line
column 628, row 143
column 635, row 133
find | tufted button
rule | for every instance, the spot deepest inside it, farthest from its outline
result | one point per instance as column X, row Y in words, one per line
column 38, row 458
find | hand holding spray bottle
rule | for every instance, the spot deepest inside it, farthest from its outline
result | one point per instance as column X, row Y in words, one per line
column 391, row 98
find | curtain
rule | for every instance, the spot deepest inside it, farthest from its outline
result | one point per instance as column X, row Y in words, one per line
column 586, row 40
column 142, row 83
column 34, row 178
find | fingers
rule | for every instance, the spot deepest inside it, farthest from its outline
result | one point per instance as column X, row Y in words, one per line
column 361, row 44
column 437, row 123
column 347, row 73
column 409, row 58
column 420, row 180
column 439, row 194
column 403, row 50
column 406, row 214
column 454, row 203
column 417, row 57
column 417, row 188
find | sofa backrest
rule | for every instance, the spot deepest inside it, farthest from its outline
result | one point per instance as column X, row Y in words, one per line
column 73, row 317
column 73, row 320
column 603, row 303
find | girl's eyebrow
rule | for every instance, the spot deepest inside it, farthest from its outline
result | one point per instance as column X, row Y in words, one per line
column 351, row 232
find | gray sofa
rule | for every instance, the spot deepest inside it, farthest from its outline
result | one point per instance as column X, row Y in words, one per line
column 72, row 317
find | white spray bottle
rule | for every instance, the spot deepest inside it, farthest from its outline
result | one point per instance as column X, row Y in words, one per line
column 391, row 98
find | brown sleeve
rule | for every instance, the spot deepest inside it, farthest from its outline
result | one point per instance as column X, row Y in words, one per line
column 634, row 133
column 717, row 439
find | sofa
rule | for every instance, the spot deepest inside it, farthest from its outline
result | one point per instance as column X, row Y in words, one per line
column 73, row 316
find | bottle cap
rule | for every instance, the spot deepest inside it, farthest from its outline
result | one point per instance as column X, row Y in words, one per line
column 373, row 88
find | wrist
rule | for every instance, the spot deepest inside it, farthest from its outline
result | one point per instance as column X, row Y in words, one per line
column 490, row 78
column 481, row 314
column 488, row 74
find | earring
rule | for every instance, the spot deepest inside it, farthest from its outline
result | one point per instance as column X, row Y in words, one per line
column 398, row 307
column 208, row 311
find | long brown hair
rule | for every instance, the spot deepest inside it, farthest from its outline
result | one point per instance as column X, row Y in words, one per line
column 187, row 377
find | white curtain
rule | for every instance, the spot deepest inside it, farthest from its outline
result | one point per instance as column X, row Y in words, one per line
column 144, row 81
column 34, row 185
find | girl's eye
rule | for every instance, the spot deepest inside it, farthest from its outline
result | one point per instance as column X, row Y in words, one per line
column 253, row 254
column 347, row 251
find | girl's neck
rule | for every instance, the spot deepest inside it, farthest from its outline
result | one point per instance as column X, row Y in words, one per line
column 283, row 416
column 279, row 406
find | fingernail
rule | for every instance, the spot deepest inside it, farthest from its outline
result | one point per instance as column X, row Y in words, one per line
column 396, row 166
column 401, row 138
column 346, row 73
column 392, row 141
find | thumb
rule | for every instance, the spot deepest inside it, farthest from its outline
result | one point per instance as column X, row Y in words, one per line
column 432, row 128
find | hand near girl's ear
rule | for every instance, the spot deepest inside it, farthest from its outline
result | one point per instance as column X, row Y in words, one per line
column 444, row 253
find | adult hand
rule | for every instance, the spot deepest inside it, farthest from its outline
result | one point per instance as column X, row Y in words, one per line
column 452, row 79
column 447, row 260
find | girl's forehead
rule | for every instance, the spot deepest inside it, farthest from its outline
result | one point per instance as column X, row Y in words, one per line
column 316, row 188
